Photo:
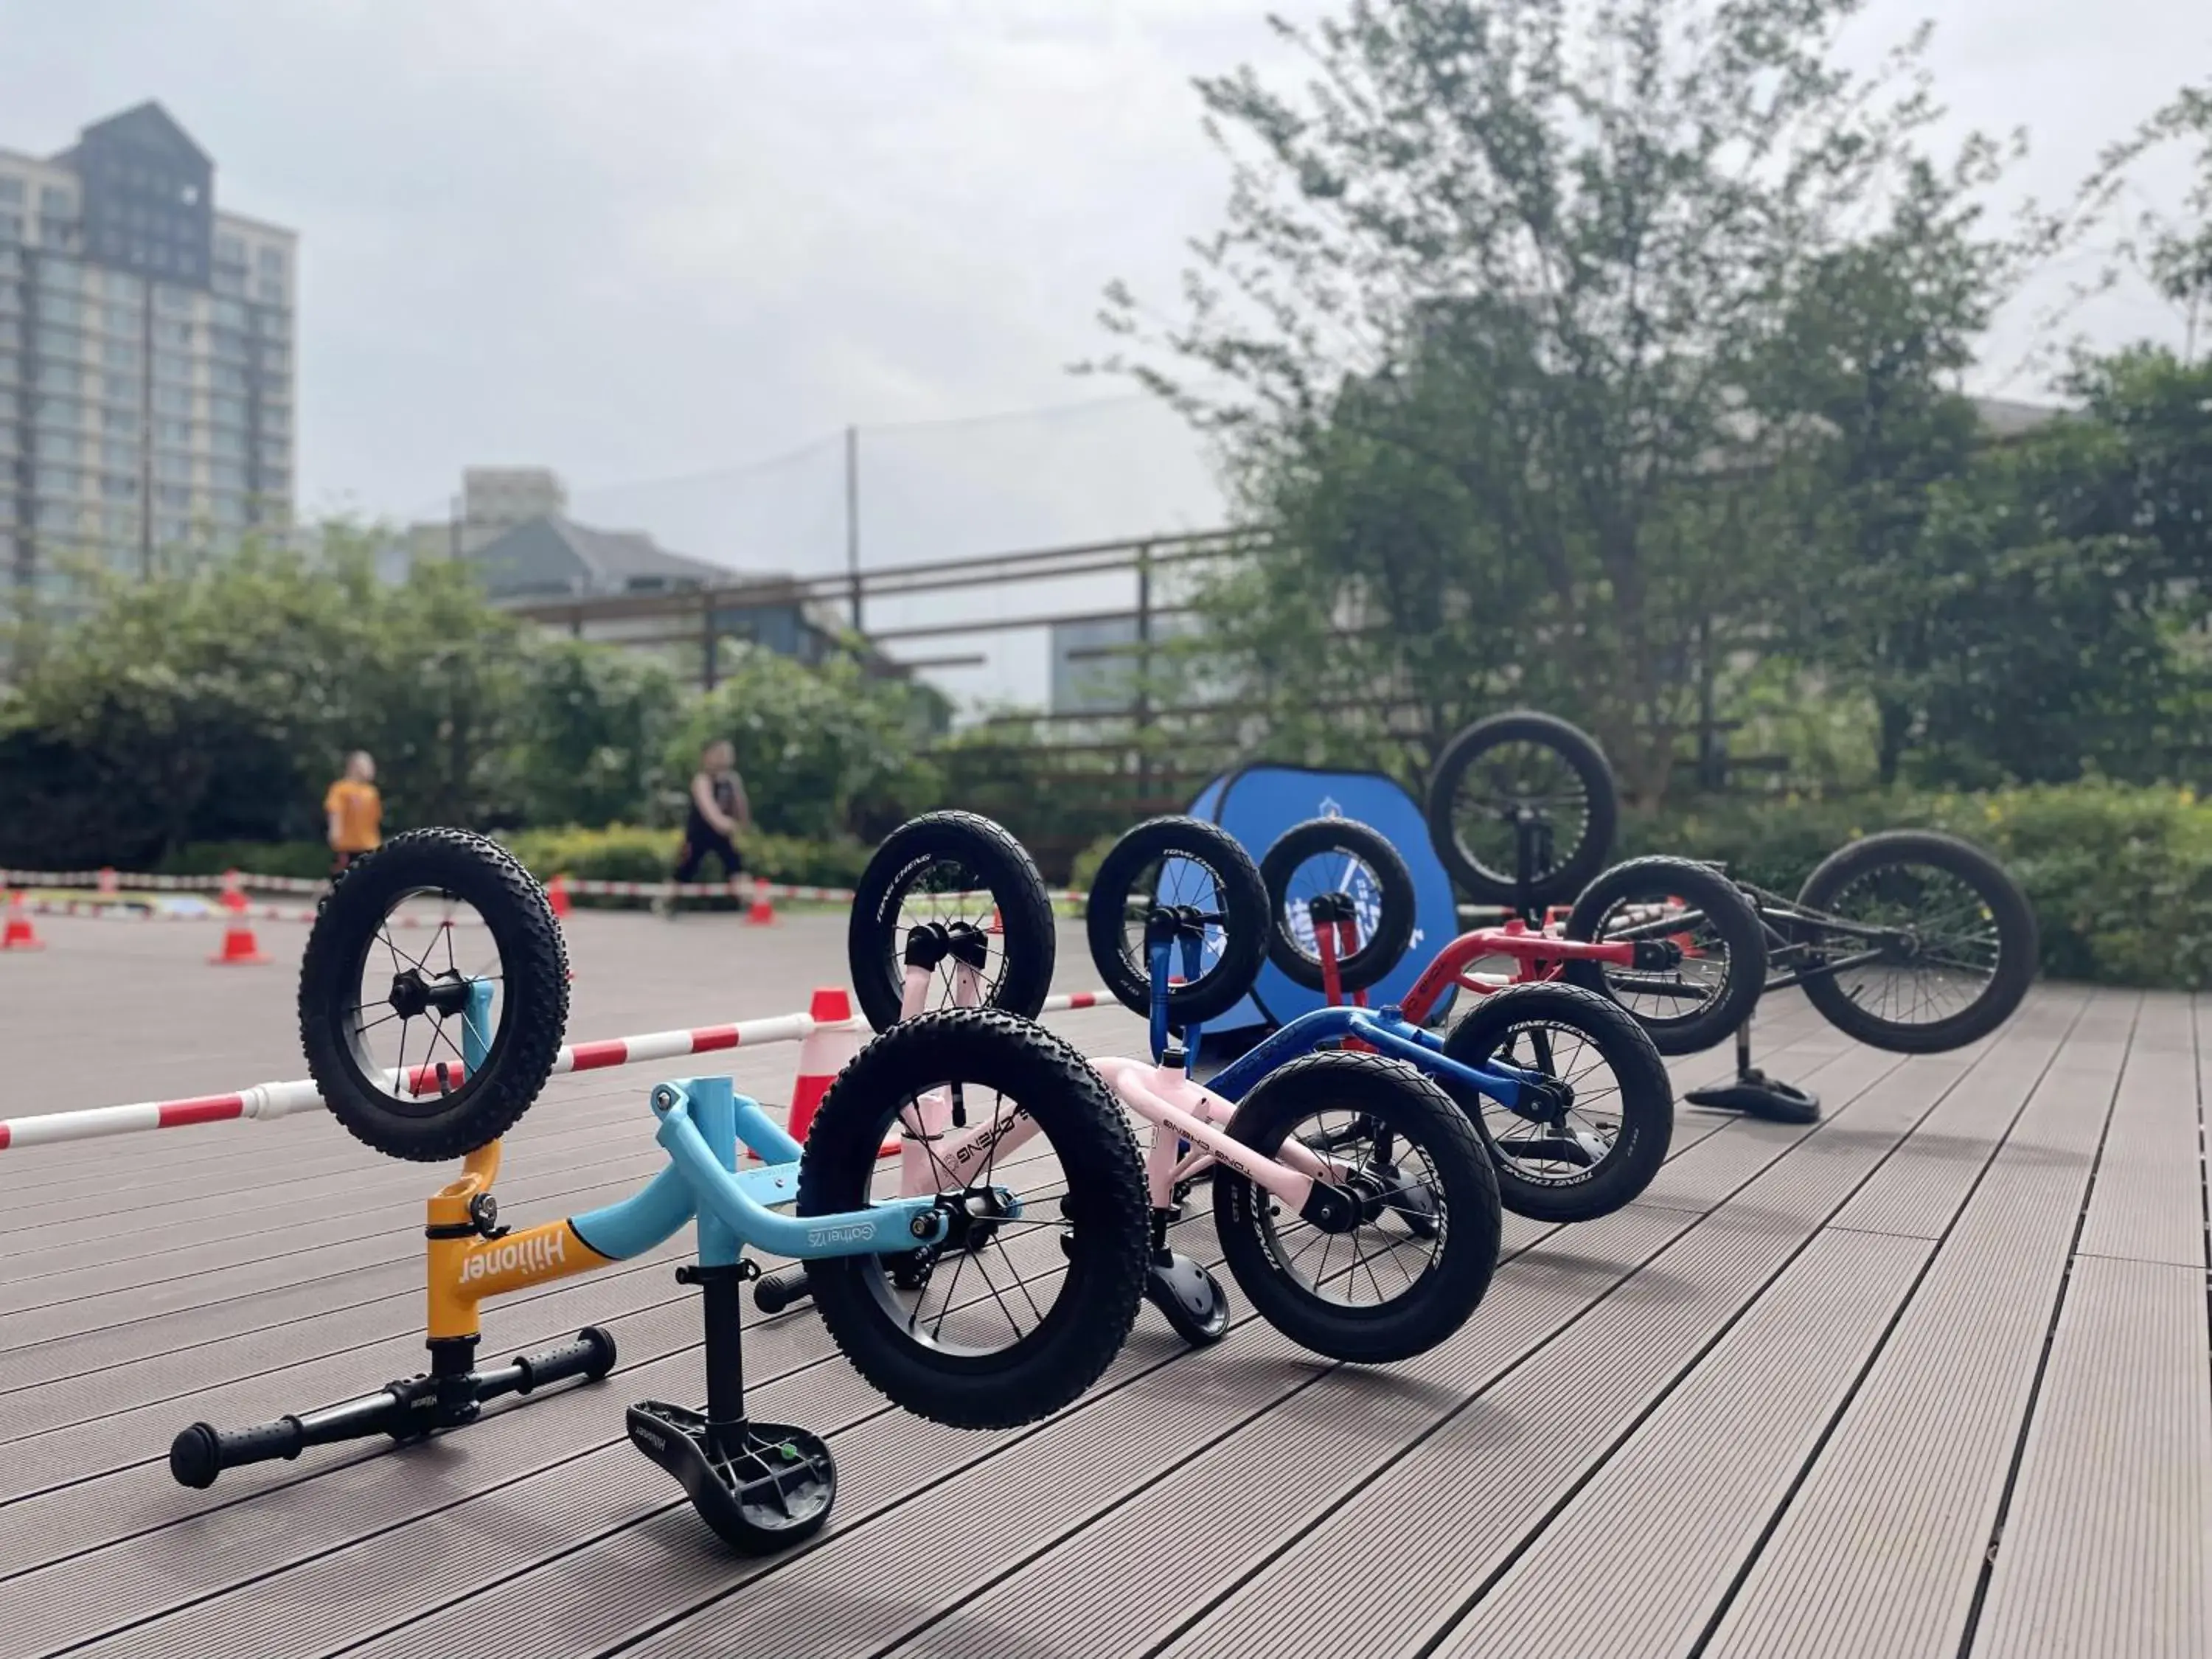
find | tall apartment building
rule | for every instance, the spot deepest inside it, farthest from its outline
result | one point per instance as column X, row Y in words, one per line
column 146, row 357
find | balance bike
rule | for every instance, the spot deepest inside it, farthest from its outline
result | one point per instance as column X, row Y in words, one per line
column 759, row 1486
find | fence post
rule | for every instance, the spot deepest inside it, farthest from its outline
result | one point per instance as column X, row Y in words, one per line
column 1144, row 710
column 852, row 519
column 1709, row 761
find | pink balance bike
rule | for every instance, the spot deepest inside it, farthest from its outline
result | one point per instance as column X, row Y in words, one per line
column 1353, row 1203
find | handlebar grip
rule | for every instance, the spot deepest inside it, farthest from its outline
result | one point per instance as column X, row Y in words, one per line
column 776, row 1292
column 590, row 1352
column 202, row 1451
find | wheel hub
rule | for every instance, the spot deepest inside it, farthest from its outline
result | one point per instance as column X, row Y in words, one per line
column 1174, row 921
column 971, row 1218
column 1553, row 1099
column 1333, row 1209
column 1366, row 1185
column 929, row 943
column 413, row 995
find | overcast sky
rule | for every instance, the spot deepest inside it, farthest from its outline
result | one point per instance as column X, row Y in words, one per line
column 651, row 239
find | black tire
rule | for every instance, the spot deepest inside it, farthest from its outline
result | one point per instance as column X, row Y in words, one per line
column 533, row 1004
column 1437, row 1300
column 1730, row 933
column 875, row 938
column 1646, row 1109
column 2008, row 913
column 1106, row 1253
column 1383, row 946
column 1574, row 864
column 1239, row 895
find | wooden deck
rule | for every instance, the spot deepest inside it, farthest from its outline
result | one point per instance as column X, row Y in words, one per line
column 1931, row 1378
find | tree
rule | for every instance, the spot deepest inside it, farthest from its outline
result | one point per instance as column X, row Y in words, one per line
column 2174, row 251
column 1484, row 332
column 816, row 746
column 2049, row 590
column 1862, row 376
column 594, row 725
column 216, row 702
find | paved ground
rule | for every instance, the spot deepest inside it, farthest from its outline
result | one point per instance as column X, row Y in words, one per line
column 1933, row 1378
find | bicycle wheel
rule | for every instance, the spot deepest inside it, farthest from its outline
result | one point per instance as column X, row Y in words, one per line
column 1703, row 998
column 1336, row 855
column 1595, row 1144
column 1948, row 939
column 1511, row 766
column 1199, row 871
column 384, row 991
column 1030, row 1296
column 1408, row 1259
column 974, row 893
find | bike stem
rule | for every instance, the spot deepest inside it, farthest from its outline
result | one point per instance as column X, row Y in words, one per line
column 1162, row 929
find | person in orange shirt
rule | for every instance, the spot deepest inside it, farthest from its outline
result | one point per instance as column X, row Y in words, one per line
column 354, row 812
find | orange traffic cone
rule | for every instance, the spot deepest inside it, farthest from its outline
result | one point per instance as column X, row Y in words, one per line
column 556, row 895
column 763, row 913
column 998, row 928
column 239, row 948
column 19, row 934
column 833, row 1041
column 1687, row 941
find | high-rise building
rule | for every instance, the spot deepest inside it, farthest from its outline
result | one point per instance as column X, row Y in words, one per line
column 146, row 357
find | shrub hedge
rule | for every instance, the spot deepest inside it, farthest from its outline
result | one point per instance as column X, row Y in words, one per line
column 2120, row 876
column 625, row 852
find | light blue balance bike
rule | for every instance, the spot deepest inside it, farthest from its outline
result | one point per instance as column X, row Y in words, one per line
column 1056, row 1238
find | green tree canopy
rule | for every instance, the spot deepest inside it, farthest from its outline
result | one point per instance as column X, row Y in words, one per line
column 1491, row 337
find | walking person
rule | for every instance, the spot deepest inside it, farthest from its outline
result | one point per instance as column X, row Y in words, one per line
column 717, row 810
column 353, row 813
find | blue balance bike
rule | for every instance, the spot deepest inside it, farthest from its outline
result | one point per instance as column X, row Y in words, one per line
column 1177, row 918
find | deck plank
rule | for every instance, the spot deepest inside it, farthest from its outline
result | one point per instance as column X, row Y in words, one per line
column 2106, row 1543
column 2105, row 1552
column 1879, row 1550
column 1490, row 1477
column 1672, row 1515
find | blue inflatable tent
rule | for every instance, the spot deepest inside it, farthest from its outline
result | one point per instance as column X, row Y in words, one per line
column 1257, row 803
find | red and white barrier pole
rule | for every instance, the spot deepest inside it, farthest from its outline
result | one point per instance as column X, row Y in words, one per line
column 275, row 1100
column 262, row 1101
column 1068, row 1001
column 93, row 910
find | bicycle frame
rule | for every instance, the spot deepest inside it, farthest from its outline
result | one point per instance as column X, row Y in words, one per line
column 1786, row 925
column 702, row 1123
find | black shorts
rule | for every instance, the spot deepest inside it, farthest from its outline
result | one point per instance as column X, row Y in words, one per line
column 697, row 843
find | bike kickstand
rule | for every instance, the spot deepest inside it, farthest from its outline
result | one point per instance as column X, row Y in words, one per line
column 1755, row 1094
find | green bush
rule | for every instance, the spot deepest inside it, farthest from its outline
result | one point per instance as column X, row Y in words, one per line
column 2120, row 876
column 625, row 852
column 1084, row 870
